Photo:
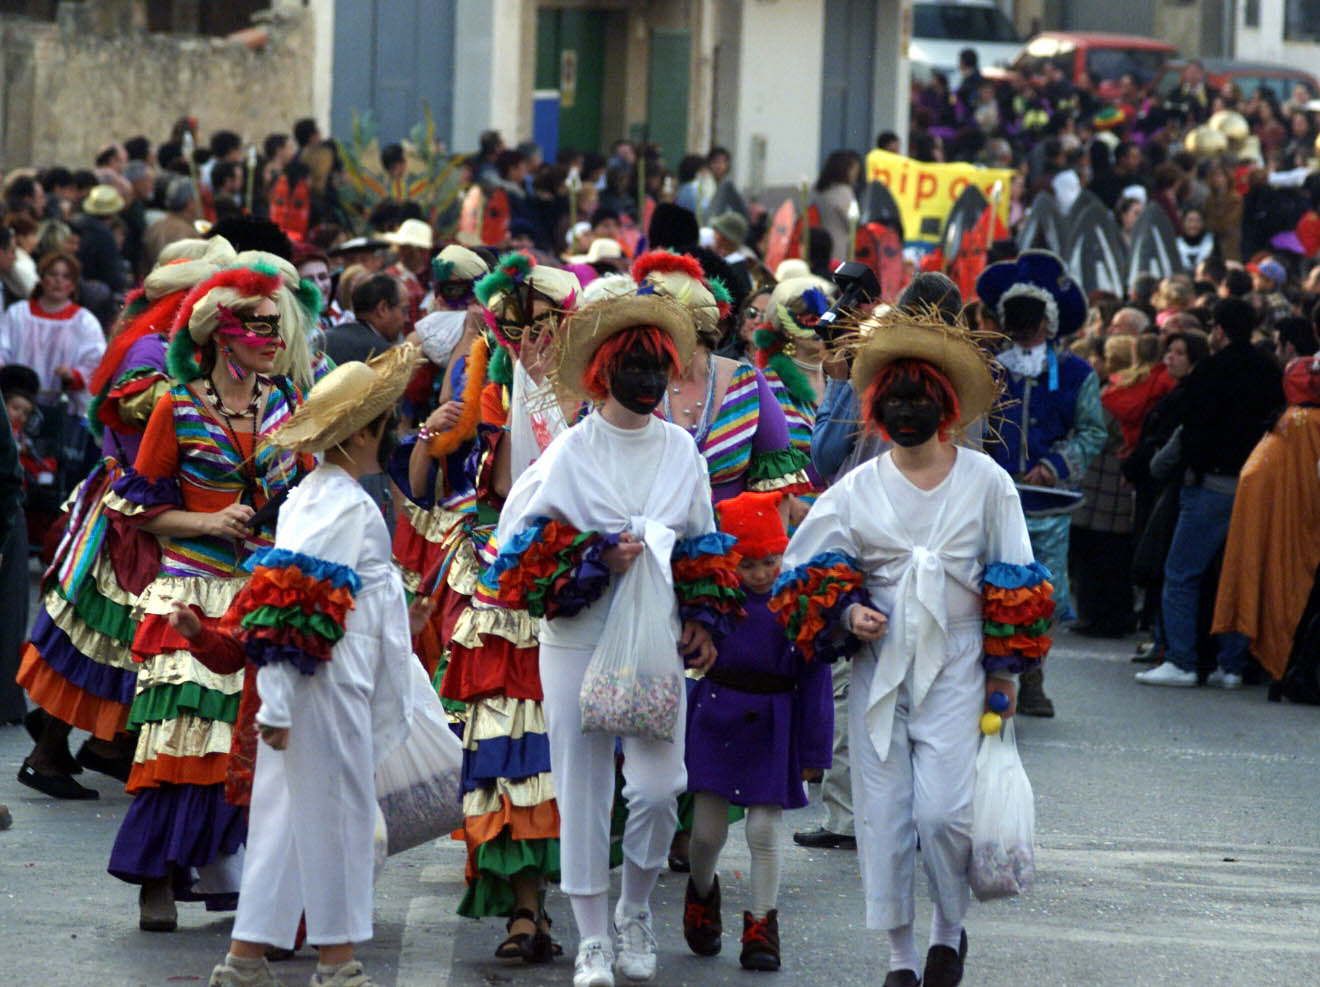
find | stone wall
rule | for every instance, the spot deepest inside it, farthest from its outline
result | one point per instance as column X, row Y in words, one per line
column 72, row 86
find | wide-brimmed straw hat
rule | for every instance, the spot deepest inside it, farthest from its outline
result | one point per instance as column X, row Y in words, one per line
column 457, row 263
column 586, row 329
column 902, row 334
column 348, row 398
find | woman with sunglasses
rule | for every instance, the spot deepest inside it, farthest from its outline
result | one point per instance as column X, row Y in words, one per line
column 202, row 472
column 752, row 316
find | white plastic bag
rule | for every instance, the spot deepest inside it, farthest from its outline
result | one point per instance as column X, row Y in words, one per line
column 634, row 683
column 1003, row 821
column 418, row 786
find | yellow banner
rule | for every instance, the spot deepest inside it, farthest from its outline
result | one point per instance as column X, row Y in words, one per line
column 926, row 192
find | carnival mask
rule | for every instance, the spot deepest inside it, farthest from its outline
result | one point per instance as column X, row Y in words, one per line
column 638, row 381
column 909, row 416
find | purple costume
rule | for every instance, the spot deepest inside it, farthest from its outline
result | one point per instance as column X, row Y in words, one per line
column 759, row 717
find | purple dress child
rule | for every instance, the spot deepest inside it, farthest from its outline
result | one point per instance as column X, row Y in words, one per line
column 758, row 719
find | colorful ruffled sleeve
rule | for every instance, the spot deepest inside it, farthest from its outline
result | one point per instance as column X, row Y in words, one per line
column 151, row 487
column 706, row 581
column 812, row 599
column 1019, row 602
column 550, row 569
column 294, row 608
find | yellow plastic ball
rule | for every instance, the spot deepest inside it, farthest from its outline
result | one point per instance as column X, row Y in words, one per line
column 991, row 723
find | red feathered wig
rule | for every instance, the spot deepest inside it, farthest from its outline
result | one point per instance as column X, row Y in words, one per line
column 926, row 377
column 652, row 341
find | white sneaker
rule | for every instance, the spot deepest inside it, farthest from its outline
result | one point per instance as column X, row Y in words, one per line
column 636, row 943
column 1167, row 674
column 1221, row 679
column 594, row 966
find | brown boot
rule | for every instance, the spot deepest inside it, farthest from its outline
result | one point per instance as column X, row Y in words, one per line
column 760, row 942
column 702, row 925
column 1032, row 700
column 156, row 911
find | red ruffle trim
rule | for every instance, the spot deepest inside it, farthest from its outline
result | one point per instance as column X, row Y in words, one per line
column 497, row 668
column 823, row 589
column 1019, row 606
column 1021, row 645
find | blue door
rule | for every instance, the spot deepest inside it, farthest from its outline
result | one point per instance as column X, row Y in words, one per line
column 390, row 56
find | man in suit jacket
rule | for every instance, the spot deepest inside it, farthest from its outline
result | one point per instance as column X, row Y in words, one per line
column 380, row 307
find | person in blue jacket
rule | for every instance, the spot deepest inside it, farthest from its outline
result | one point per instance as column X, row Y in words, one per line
column 1048, row 425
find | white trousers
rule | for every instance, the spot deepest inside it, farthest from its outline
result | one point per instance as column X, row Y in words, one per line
column 313, row 816
column 923, row 788
column 583, row 768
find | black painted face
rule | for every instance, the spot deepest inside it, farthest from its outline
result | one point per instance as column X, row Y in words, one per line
column 908, row 414
column 638, row 381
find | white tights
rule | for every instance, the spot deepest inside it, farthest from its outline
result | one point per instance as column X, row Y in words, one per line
column 710, row 829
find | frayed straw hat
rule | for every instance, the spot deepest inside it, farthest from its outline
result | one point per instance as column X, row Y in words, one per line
column 348, row 398
column 586, row 329
column 961, row 355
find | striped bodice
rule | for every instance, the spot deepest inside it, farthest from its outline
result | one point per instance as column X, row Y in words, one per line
column 211, row 464
column 727, row 446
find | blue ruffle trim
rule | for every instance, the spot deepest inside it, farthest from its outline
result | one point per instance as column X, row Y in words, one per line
column 506, row 757
column 511, row 554
column 801, row 573
column 339, row 576
column 1006, row 575
column 712, row 543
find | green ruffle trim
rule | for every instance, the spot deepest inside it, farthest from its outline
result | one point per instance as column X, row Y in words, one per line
column 168, row 702
column 499, row 369
column 795, row 381
column 1039, row 629
column 766, row 466
column 726, row 599
column 320, row 624
column 497, row 862
column 102, row 614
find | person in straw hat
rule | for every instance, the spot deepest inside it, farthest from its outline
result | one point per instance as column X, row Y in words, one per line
column 204, row 468
column 325, row 624
column 612, row 503
column 895, row 566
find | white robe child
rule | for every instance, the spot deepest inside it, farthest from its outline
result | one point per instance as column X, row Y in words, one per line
column 312, row 822
column 917, row 694
column 598, row 477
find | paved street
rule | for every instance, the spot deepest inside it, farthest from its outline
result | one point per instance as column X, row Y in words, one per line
column 1179, row 838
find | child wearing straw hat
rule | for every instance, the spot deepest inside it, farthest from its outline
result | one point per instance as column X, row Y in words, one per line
column 586, row 541
column 918, row 566
column 325, row 622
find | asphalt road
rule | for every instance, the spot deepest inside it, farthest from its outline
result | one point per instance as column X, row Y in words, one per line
column 1179, row 844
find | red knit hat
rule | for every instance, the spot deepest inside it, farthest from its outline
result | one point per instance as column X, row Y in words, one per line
column 754, row 519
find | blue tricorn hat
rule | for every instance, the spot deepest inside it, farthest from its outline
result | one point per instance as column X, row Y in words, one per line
column 1035, row 274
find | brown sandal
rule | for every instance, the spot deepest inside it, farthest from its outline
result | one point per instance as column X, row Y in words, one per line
column 518, row 946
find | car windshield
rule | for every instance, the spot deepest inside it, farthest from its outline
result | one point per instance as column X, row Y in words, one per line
column 959, row 22
column 1114, row 63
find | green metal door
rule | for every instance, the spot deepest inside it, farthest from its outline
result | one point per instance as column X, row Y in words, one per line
column 667, row 95
column 570, row 57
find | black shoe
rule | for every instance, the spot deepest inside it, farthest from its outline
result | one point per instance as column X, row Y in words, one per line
column 1031, row 700
column 679, row 864
column 823, row 839
column 56, row 786
column 760, row 942
column 517, row 946
column 116, row 767
column 702, row 924
column 944, row 965
column 35, row 724
column 902, row 978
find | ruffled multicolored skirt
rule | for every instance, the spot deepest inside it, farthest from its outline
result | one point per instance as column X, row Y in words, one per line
column 78, row 665
column 184, row 715
column 486, row 665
